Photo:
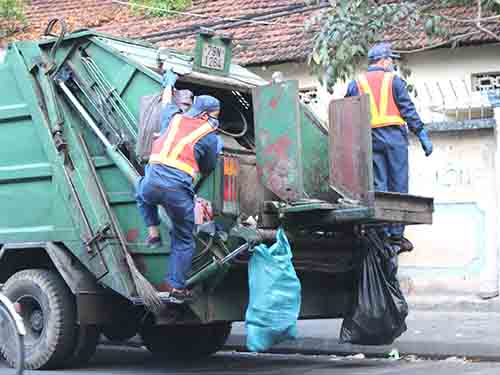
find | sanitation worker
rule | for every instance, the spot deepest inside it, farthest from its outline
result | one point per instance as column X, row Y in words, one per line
column 392, row 113
column 188, row 145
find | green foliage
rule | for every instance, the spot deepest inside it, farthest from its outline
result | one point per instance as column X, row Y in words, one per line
column 12, row 10
column 160, row 8
column 346, row 31
column 11, row 16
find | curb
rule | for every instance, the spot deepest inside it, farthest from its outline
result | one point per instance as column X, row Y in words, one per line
column 421, row 349
column 452, row 303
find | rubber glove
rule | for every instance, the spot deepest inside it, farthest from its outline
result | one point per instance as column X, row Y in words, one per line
column 423, row 136
column 169, row 78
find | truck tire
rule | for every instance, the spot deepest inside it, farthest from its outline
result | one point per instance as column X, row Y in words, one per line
column 48, row 311
column 87, row 338
column 185, row 342
column 117, row 333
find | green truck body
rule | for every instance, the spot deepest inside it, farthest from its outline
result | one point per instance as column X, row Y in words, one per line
column 68, row 198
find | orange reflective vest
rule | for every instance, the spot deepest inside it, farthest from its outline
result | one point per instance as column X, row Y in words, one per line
column 175, row 148
column 383, row 108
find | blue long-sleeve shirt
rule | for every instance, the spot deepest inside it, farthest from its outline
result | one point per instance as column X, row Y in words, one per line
column 402, row 99
column 205, row 152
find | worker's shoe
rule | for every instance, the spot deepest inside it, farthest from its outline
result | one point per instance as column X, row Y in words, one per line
column 153, row 242
column 403, row 244
column 172, row 294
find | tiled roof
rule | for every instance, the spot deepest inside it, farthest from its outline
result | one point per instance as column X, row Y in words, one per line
column 270, row 41
column 263, row 41
column 418, row 39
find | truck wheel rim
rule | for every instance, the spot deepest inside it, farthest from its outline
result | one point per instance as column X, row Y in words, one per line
column 33, row 317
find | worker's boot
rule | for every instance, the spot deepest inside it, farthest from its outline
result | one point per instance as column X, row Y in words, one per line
column 174, row 295
column 403, row 244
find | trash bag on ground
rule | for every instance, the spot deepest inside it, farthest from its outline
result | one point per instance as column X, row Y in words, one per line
column 150, row 108
column 275, row 296
column 380, row 309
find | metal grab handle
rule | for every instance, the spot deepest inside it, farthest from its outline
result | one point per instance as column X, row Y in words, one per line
column 234, row 253
column 60, row 37
column 115, row 155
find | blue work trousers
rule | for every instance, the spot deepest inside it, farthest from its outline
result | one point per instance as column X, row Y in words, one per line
column 179, row 205
column 390, row 166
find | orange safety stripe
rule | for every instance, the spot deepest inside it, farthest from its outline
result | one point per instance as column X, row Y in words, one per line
column 169, row 154
column 379, row 115
column 170, row 137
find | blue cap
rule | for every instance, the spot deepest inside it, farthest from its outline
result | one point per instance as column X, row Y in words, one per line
column 203, row 103
column 381, row 51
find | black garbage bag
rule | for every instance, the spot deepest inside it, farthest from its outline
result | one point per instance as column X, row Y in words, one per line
column 380, row 309
column 150, row 108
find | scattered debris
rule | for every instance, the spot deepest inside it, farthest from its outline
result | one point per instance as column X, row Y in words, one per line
column 356, row 356
column 394, row 355
column 456, row 359
column 412, row 358
column 335, row 358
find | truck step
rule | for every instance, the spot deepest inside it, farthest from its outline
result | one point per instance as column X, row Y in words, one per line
column 167, row 300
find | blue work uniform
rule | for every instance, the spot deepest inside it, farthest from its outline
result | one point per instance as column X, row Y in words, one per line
column 390, row 143
column 173, row 189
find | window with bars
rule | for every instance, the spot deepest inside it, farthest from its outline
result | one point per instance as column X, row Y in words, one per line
column 486, row 81
column 309, row 95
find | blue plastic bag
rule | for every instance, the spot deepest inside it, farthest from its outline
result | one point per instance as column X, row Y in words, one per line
column 274, row 302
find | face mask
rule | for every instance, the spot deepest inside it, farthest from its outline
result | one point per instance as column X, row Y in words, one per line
column 214, row 121
column 392, row 68
column 183, row 107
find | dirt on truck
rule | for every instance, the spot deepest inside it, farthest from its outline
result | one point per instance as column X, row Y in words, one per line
column 73, row 246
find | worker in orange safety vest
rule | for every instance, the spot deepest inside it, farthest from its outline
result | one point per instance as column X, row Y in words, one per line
column 392, row 113
column 188, row 146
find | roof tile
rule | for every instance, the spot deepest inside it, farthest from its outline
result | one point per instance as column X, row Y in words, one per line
column 270, row 41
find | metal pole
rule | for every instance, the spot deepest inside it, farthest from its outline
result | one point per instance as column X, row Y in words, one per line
column 115, row 155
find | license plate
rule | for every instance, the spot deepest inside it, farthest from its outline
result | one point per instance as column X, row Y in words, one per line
column 213, row 57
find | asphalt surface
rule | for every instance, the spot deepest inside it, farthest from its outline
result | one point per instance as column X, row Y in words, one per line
column 430, row 334
column 126, row 360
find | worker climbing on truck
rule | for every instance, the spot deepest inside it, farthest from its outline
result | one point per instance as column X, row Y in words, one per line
column 392, row 113
column 186, row 146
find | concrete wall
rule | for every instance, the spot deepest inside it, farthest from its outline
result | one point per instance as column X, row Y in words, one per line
column 454, row 64
column 459, row 252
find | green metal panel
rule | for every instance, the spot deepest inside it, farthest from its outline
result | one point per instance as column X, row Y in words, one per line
column 314, row 138
column 350, row 151
column 29, row 189
column 62, row 201
column 278, row 139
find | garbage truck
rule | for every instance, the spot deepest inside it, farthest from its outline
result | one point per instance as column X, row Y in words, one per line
column 73, row 252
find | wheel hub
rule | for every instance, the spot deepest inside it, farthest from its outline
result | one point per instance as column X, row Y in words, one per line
column 36, row 320
column 33, row 317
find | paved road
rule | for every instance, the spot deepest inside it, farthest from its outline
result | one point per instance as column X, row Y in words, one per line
column 119, row 360
column 436, row 334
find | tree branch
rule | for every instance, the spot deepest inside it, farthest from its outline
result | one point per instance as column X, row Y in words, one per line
column 478, row 23
column 463, row 20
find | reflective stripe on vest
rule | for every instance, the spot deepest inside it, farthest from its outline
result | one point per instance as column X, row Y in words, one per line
column 386, row 113
column 176, row 147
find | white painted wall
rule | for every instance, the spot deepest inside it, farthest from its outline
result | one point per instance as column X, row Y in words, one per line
column 452, row 64
column 461, row 245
